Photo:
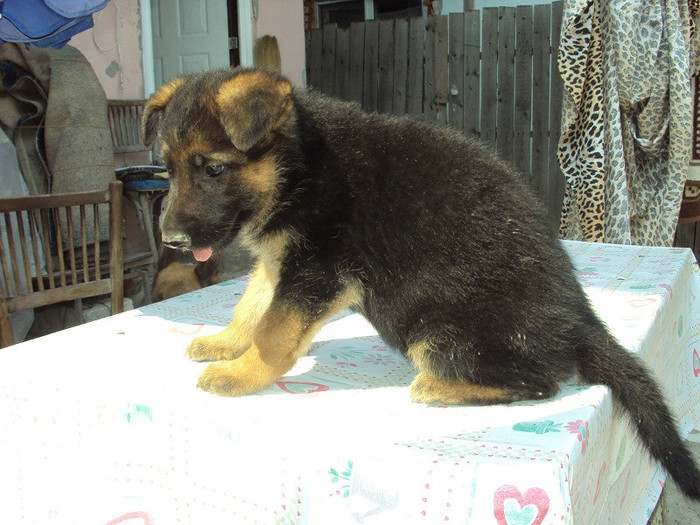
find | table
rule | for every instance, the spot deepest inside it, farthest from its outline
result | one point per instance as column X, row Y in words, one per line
column 102, row 423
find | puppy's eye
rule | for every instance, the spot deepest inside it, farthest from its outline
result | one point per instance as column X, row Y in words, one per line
column 214, row 170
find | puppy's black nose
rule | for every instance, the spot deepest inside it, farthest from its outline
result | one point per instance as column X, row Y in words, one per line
column 176, row 241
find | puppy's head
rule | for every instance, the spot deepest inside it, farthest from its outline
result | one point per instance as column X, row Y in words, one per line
column 218, row 132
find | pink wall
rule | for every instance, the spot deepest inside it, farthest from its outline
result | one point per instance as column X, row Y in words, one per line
column 113, row 47
column 119, row 67
column 284, row 19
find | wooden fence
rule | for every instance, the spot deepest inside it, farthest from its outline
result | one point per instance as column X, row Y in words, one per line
column 490, row 72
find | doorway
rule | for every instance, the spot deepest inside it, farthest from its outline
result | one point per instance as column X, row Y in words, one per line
column 186, row 36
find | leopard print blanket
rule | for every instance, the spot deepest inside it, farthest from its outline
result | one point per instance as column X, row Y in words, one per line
column 626, row 118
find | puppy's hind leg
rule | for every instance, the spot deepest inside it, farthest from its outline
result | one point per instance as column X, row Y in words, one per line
column 441, row 380
column 428, row 388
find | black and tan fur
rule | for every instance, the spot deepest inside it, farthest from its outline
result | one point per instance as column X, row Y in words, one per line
column 438, row 243
column 175, row 277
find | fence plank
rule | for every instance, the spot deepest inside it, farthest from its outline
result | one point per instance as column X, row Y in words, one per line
column 556, row 181
column 456, row 70
column 398, row 103
column 429, row 105
column 414, row 95
column 472, row 71
column 328, row 59
column 489, row 70
column 342, row 62
column 385, row 76
column 369, row 91
column 494, row 69
column 685, row 235
column 540, row 97
column 522, row 119
column 315, row 64
column 357, row 60
column 441, row 68
column 307, row 56
column 506, row 78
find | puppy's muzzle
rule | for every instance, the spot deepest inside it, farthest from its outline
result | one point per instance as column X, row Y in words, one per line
column 177, row 241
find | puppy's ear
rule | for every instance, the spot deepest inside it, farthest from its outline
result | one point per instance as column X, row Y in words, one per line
column 154, row 108
column 252, row 105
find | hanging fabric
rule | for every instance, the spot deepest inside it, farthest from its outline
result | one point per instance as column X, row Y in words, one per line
column 46, row 23
column 626, row 120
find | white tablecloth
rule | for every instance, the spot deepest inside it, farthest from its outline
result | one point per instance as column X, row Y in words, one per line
column 103, row 424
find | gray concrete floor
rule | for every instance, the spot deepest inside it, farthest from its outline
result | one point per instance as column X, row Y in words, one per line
column 675, row 508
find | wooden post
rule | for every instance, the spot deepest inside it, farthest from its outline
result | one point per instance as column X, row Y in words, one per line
column 328, row 59
column 522, row 119
column 489, row 70
column 357, row 61
column 400, row 81
column 385, row 77
column 505, row 101
column 7, row 338
column 555, row 181
column 369, row 91
column 540, row 98
column 472, row 72
column 116, row 258
column 416, row 48
column 342, row 63
column 441, row 68
column 456, row 70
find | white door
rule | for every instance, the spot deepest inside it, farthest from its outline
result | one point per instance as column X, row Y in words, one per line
column 188, row 36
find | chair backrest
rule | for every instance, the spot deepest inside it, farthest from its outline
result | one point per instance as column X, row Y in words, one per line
column 50, row 251
column 124, row 124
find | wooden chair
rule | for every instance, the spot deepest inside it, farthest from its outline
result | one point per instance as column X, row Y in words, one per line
column 124, row 118
column 50, row 251
column 145, row 186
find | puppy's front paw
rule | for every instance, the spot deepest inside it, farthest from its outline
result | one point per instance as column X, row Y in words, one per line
column 212, row 348
column 234, row 378
column 207, row 348
column 220, row 379
column 203, row 349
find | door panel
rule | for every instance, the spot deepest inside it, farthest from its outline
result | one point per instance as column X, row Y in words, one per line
column 188, row 36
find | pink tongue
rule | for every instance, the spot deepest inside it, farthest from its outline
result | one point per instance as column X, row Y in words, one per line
column 202, row 254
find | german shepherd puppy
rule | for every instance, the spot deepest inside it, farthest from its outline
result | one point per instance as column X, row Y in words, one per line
column 176, row 277
column 436, row 242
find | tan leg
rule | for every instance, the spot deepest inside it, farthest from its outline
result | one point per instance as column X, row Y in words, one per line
column 283, row 335
column 250, row 373
column 237, row 337
column 427, row 388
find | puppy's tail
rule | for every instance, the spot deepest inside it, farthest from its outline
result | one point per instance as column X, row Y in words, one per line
column 602, row 360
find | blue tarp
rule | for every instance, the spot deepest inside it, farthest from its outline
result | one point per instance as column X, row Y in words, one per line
column 46, row 23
